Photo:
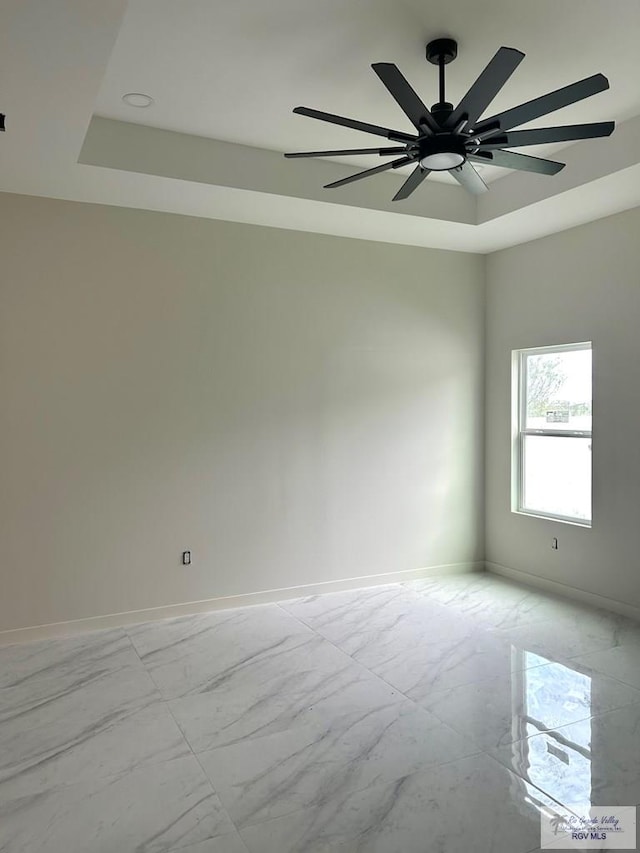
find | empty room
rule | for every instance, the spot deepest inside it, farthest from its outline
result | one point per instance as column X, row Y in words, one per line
column 319, row 418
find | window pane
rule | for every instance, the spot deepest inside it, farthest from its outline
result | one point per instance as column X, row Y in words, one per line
column 557, row 475
column 558, row 390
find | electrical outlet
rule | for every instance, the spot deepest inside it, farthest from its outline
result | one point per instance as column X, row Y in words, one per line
column 186, row 558
column 554, row 544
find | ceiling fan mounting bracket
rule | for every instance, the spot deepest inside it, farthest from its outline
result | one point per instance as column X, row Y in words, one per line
column 442, row 50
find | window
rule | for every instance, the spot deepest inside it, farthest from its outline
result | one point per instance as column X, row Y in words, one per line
column 552, row 432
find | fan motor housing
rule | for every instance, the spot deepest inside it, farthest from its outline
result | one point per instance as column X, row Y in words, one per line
column 434, row 151
column 441, row 111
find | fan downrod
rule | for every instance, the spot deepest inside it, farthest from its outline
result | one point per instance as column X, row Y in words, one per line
column 441, row 52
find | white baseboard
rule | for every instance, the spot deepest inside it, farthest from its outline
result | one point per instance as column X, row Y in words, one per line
column 565, row 590
column 117, row 620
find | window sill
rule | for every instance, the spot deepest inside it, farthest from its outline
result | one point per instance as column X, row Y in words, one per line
column 574, row 522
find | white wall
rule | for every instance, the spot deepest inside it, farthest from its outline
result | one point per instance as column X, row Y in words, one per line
column 579, row 285
column 291, row 407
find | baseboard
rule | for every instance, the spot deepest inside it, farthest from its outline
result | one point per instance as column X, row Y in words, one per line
column 565, row 590
column 130, row 617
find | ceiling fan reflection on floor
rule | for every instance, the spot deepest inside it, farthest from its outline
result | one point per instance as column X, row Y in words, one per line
column 453, row 139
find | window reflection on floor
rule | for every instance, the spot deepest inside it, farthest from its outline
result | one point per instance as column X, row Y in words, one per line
column 544, row 699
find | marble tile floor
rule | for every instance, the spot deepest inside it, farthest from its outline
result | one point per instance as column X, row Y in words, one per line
column 443, row 715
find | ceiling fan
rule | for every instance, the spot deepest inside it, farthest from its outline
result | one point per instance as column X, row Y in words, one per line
column 453, row 139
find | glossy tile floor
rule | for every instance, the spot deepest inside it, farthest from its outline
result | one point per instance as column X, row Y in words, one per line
column 440, row 715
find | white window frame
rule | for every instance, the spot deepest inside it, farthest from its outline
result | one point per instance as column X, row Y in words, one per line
column 519, row 420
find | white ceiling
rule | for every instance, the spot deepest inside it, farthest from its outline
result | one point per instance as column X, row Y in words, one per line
column 232, row 71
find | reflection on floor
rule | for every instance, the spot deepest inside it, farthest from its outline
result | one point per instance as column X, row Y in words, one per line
column 443, row 715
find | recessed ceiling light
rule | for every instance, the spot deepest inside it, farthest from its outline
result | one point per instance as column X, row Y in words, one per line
column 137, row 99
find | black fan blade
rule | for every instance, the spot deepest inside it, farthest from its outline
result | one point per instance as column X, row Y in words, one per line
column 400, row 89
column 394, row 165
column 412, row 183
column 467, row 177
column 543, row 135
column 486, row 87
column 396, row 135
column 383, row 152
column 548, row 103
column 521, row 162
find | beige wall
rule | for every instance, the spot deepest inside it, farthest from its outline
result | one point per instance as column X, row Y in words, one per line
column 579, row 285
column 292, row 408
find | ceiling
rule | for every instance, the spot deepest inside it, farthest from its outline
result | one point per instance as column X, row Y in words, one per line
column 225, row 76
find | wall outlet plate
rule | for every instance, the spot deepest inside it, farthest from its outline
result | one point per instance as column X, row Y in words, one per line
column 186, row 558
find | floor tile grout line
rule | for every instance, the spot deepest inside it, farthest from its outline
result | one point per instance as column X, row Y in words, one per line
column 196, row 755
column 148, row 671
column 549, row 663
column 565, row 603
column 385, row 783
column 527, row 781
column 607, row 674
column 206, row 775
column 488, row 750
column 483, row 629
column 416, row 702
column 370, row 671
column 162, row 701
column 357, row 662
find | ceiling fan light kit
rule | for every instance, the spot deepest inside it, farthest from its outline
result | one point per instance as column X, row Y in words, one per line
column 452, row 138
column 440, row 154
